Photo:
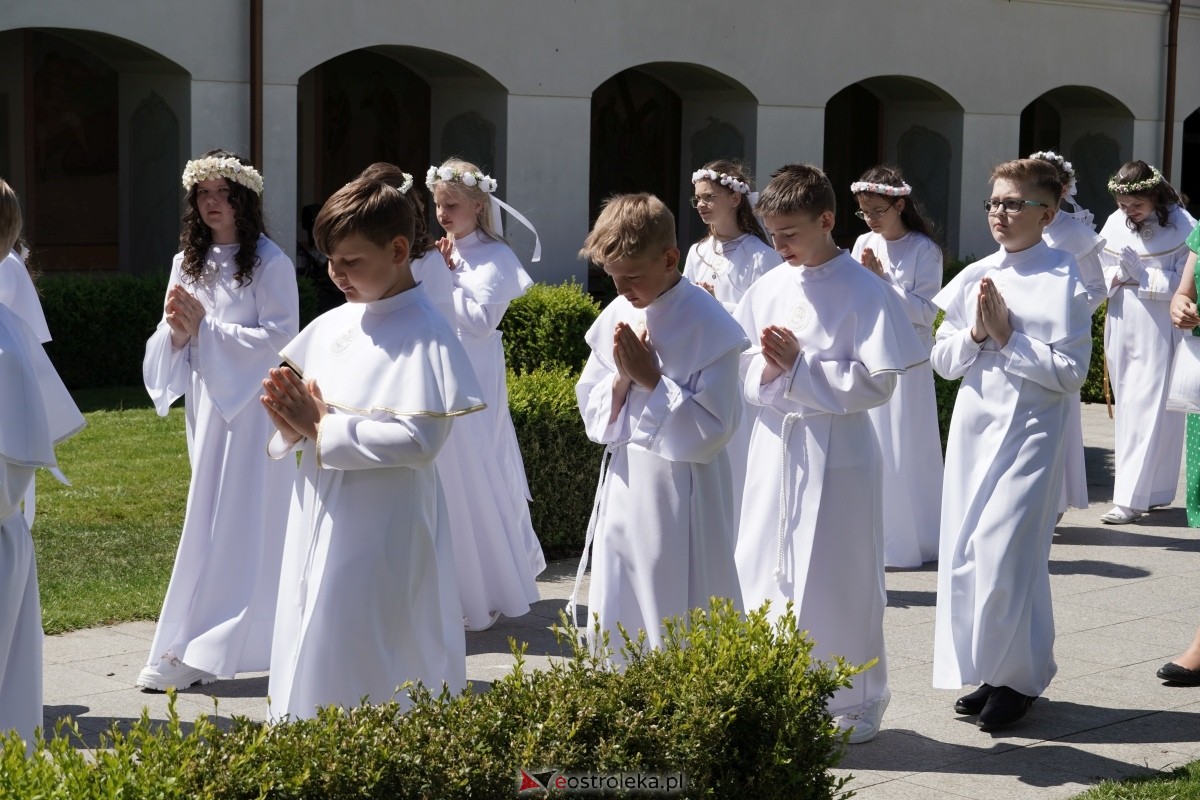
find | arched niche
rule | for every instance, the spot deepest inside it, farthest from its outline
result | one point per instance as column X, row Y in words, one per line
column 1091, row 128
column 899, row 120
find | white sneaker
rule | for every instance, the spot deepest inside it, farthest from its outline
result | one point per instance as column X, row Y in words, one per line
column 491, row 621
column 1119, row 515
column 864, row 723
column 171, row 673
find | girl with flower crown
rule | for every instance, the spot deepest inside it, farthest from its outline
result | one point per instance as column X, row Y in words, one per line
column 900, row 249
column 496, row 552
column 231, row 306
column 733, row 254
column 1144, row 254
column 735, row 251
column 1071, row 230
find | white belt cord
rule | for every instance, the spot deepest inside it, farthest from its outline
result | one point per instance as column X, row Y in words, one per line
column 597, row 512
column 789, row 421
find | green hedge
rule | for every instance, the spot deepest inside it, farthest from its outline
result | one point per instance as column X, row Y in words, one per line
column 544, row 328
column 561, row 463
column 100, row 324
column 734, row 703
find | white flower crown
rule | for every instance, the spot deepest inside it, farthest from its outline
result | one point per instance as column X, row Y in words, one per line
column 227, row 167
column 858, row 187
column 485, row 183
column 408, row 181
column 1136, row 186
column 729, row 181
column 1050, row 155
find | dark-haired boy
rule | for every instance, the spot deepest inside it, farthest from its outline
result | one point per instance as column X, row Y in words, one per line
column 367, row 595
column 831, row 339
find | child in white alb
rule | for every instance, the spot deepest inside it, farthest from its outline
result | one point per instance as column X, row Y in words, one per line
column 830, row 340
column 660, row 390
column 1017, row 331
column 367, row 595
column 901, row 250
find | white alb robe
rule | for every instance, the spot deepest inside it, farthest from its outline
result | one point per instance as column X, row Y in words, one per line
column 731, row 268
column 36, row 413
column 811, row 528
column 907, row 425
column 220, row 605
column 1065, row 232
column 662, row 528
column 1004, row 467
column 1139, row 345
column 496, row 553
column 20, row 295
column 367, row 594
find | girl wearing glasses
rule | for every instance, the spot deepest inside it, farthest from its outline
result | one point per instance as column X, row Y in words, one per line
column 1144, row 255
column 900, row 250
column 732, row 255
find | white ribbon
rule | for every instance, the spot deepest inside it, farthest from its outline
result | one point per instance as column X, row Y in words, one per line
column 597, row 512
column 789, row 422
column 498, row 204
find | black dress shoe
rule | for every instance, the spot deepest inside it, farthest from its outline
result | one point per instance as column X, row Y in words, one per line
column 1004, row 706
column 1173, row 673
column 971, row 704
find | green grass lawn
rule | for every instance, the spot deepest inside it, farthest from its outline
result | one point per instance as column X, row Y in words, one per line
column 105, row 545
column 1181, row 784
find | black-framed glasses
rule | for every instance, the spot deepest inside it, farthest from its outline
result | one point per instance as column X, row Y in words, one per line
column 1010, row 206
column 873, row 214
column 706, row 199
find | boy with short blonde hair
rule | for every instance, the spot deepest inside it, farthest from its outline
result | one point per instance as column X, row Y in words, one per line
column 1017, row 331
column 830, row 339
column 660, row 390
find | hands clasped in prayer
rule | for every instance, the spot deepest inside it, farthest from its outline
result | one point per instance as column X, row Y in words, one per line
column 634, row 357
column 294, row 405
column 872, row 262
column 991, row 315
column 184, row 315
column 780, row 348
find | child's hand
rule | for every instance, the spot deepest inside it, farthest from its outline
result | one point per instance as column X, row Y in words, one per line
column 299, row 405
column 1183, row 312
column 780, row 348
column 993, row 312
column 708, row 287
column 635, row 357
column 1132, row 264
column 872, row 262
column 184, row 313
column 446, row 247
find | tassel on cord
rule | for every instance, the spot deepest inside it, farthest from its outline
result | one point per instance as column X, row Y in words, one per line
column 789, row 421
column 597, row 511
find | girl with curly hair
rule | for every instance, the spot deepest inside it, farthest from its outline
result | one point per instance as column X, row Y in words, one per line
column 231, row 306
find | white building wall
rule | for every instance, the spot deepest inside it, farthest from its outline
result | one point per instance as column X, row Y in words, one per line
column 992, row 57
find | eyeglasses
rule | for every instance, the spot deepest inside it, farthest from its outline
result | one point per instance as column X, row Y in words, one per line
column 706, row 199
column 873, row 214
column 1009, row 206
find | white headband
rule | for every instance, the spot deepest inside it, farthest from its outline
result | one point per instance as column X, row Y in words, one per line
column 210, row 167
column 858, row 187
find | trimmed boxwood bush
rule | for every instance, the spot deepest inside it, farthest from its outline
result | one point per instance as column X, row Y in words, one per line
column 734, row 703
column 561, row 463
column 544, row 328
